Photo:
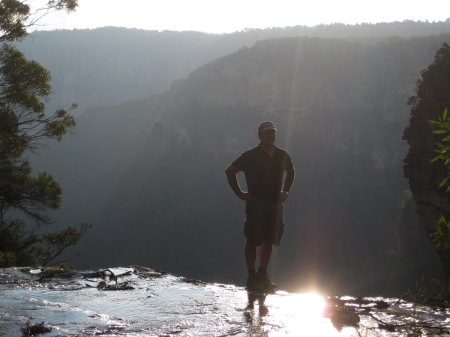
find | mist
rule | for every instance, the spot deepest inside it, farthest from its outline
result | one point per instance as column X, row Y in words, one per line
column 161, row 120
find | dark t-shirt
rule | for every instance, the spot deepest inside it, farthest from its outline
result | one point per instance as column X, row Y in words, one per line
column 264, row 174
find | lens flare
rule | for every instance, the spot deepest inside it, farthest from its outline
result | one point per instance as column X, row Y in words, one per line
column 302, row 315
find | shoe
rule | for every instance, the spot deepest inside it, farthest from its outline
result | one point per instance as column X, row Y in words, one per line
column 265, row 285
column 252, row 282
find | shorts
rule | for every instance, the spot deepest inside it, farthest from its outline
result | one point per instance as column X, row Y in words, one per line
column 263, row 222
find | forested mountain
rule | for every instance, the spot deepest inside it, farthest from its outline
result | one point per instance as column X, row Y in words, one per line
column 150, row 173
column 110, row 65
column 427, row 176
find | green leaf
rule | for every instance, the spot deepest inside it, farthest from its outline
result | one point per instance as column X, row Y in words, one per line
column 440, row 131
column 444, row 181
column 435, row 159
column 444, row 115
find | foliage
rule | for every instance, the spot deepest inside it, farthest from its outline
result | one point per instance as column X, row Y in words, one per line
column 432, row 89
column 438, row 72
column 16, row 244
column 56, row 243
column 443, row 146
column 16, row 16
column 432, row 97
column 441, row 236
column 429, row 292
column 24, row 86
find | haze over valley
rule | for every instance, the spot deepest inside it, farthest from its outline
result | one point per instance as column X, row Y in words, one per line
column 162, row 114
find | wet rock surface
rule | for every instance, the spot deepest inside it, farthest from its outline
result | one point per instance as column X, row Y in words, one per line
column 144, row 302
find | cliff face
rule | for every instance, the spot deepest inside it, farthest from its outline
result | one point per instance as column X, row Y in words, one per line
column 433, row 96
column 105, row 66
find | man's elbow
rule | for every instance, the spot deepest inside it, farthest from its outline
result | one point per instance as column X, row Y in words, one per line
column 291, row 173
column 230, row 171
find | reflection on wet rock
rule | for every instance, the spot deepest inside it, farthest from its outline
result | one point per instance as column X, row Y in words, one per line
column 102, row 285
column 33, row 330
column 161, row 304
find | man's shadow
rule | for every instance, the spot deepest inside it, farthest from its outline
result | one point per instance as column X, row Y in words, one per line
column 260, row 298
column 253, row 318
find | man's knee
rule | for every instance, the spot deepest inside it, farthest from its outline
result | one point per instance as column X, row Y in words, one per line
column 266, row 245
column 250, row 244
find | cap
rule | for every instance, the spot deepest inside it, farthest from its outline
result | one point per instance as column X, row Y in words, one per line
column 267, row 125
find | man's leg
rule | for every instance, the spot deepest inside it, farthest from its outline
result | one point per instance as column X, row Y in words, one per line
column 272, row 234
column 265, row 252
column 250, row 259
column 250, row 255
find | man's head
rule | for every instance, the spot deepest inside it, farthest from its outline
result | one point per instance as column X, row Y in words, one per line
column 267, row 132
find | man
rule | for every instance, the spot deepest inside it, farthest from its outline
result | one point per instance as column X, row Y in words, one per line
column 264, row 167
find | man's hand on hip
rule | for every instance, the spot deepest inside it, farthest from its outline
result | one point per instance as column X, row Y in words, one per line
column 283, row 196
column 246, row 196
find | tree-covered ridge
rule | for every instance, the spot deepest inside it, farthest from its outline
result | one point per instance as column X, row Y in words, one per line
column 425, row 175
column 154, row 167
column 111, row 65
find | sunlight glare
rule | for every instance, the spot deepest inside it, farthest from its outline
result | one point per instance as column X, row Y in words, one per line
column 303, row 314
column 307, row 305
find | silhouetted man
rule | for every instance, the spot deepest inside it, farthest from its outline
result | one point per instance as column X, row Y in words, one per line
column 264, row 167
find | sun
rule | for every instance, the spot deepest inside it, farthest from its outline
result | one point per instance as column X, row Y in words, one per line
column 301, row 315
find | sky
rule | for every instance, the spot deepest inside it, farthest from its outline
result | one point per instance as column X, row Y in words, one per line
column 235, row 15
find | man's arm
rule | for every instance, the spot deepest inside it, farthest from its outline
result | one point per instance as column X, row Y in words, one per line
column 231, row 172
column 288, row 181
